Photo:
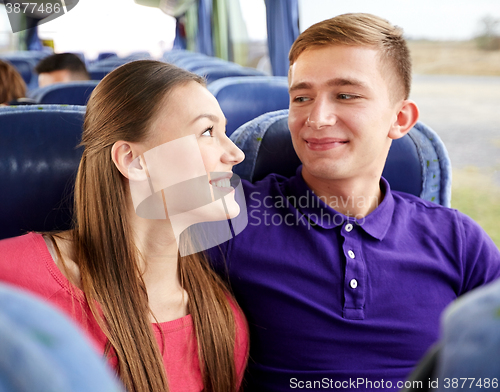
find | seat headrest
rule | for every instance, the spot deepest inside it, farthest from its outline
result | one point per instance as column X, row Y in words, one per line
column 69, row 93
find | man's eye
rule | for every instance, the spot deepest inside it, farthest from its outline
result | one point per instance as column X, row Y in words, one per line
column 208, row 131
column 301, row 99
column 347, row 96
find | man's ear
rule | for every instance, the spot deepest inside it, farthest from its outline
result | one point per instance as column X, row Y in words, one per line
column 405, row 120
column 128, row 162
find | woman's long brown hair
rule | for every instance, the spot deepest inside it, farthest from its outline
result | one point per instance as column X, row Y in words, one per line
column 122, row 107
column 12, row 85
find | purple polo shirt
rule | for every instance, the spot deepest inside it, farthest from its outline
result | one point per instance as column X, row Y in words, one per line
column 335, row 303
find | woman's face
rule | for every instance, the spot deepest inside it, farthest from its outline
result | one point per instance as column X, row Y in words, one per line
column 192, row 110
column 189, row 157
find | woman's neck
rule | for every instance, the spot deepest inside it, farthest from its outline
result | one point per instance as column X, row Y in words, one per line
column 158, row 258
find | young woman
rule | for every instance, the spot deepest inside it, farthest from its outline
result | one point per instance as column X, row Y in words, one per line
column 166, row 323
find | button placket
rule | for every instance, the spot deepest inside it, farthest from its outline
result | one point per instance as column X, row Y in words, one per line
column 354, row 275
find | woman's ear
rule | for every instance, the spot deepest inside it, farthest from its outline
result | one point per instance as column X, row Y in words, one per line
column 127, row 161
column 405, row 120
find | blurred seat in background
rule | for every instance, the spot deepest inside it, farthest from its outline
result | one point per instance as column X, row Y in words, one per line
column 38, row 164
column 213, row 73
column 105, row 55
column 70, row 93
column 26, row 68
column 97, row 72
column 243, row 98
column 43, row 351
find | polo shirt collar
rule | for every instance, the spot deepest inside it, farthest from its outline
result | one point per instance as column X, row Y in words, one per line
column 376, row 224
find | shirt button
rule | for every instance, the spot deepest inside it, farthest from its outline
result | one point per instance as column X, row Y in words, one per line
column 348, row 227
column 351, row 254
column 353, row 283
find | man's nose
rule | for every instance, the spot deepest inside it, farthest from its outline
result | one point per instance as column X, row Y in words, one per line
column 322, row 114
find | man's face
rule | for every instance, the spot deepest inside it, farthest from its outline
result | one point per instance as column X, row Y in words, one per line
column 340, row 113
column 48, row 78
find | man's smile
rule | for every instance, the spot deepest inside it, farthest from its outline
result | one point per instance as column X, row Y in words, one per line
column 323, row 144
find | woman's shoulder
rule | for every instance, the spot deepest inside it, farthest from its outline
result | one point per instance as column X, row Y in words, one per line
column 25, row 261
column 25, row 247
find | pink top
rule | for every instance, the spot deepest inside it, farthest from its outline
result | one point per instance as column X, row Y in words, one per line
column 26, row 262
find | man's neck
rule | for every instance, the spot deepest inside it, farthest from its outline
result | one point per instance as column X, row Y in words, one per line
column 356, row 197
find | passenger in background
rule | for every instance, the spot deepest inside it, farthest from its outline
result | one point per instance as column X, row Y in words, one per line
column 60, row 68
column 165, row 322
column 343, row 280
column 12, row 86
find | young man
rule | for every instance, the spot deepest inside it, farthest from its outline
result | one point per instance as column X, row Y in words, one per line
column 61, row 68
column 346, row 291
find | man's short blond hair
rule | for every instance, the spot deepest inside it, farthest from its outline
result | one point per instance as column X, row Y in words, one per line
column 363, row 30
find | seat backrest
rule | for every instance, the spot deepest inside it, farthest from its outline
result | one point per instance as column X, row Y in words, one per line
column 105, row 55
column 196, row 64
column 242, row 98
column 212, row 73
column 178, row 56
column 69, row 93
column 38, row 164
column 26, row 68
column 418, row 163
column 97, row 72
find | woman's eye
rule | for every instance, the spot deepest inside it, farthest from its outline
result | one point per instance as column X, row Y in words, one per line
column 208, row 132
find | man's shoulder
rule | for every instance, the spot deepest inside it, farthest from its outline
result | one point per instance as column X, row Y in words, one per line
column 434, row 216
column 270, row 185
column 269, row 180
column 408, row 203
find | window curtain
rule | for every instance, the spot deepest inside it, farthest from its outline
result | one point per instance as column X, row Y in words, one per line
column 194, row 29
column 204, row 43
column 282, row 30
column 32, row 39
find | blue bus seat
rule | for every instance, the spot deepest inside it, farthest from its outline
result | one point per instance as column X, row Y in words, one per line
column 38, row 164
column 26, row 68
column 196, row 64
column 36, row 55
column 97, row 72
column 105, row 55
column 177, row 57
column 69, row 93
column 242, row 98
column 418, row 163
column 213, row 73
column 138, row 55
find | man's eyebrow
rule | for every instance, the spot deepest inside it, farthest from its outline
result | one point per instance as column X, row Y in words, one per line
column 337, row 82
column 300, row 86
column 209, row 116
